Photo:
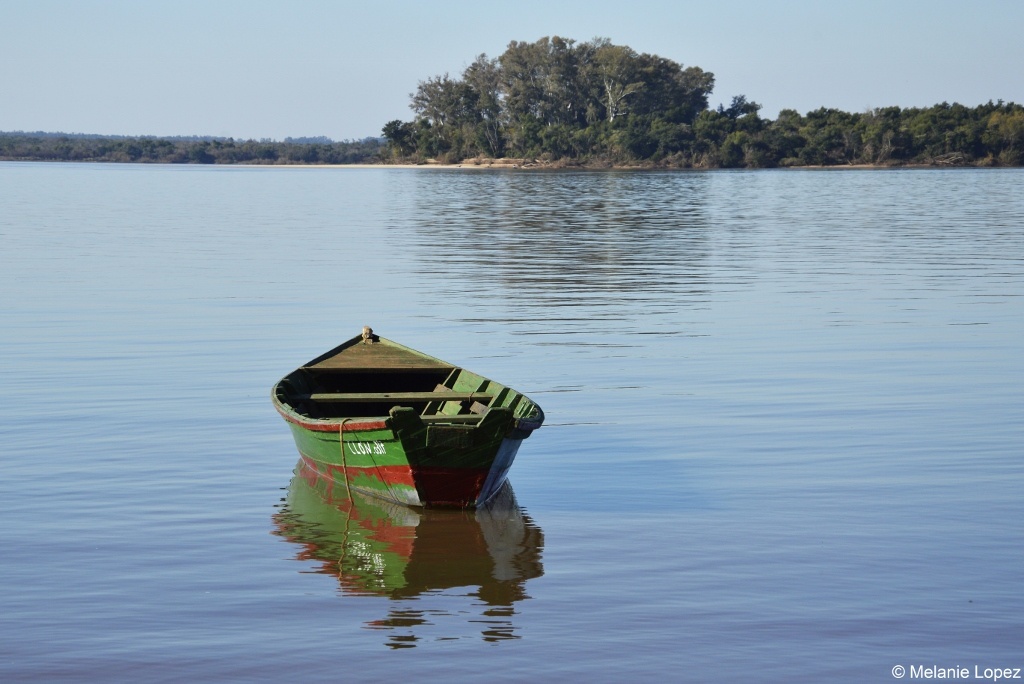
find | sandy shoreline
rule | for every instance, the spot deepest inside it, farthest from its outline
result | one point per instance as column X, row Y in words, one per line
column 484, row 164
column 468, row 164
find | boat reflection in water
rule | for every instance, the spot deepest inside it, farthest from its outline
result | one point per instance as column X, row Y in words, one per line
column 376, row 548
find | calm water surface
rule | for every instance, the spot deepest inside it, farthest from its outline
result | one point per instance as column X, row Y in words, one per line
column 785, row 435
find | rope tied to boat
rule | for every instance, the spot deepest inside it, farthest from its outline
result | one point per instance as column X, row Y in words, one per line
column 348, row 490
column 376, row 466
column 344, row 464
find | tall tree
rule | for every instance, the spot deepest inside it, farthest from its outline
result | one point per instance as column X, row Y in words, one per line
column 401, row 136
column 483, row 76
column 450, row 108
column 523, row 79
column 618, row 70
column 672, row 92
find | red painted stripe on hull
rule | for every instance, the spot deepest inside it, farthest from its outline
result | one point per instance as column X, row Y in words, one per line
column 388, row 474
column 459, row 487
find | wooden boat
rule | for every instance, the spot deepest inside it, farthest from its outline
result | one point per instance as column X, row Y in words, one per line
column 389, row 421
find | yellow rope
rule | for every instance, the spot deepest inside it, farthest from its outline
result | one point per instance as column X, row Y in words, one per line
column 376, row 466
column 344, row 463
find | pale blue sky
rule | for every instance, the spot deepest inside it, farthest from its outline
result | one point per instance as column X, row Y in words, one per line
column 275, row 68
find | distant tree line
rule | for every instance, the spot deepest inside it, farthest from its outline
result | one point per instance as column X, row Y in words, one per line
column 186, row 150
column 594, row 102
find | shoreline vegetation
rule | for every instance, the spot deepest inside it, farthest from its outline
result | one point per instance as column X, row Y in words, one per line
column 559, row 104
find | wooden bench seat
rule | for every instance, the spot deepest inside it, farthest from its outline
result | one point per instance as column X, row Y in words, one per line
column 375, row 397
column 463, row 419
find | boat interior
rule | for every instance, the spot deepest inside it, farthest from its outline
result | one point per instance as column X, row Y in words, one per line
column 368, row 376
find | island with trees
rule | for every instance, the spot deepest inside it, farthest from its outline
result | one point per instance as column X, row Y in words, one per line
column 557, row 102
column 596, row 103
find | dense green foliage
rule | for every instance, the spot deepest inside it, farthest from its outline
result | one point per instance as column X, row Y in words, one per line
column 561, row 101
column 56, row 147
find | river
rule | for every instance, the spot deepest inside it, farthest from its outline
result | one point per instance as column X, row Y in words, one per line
column 784, row 437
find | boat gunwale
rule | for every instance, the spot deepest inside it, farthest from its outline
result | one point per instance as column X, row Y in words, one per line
column 375, row 422
column 329, row 424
